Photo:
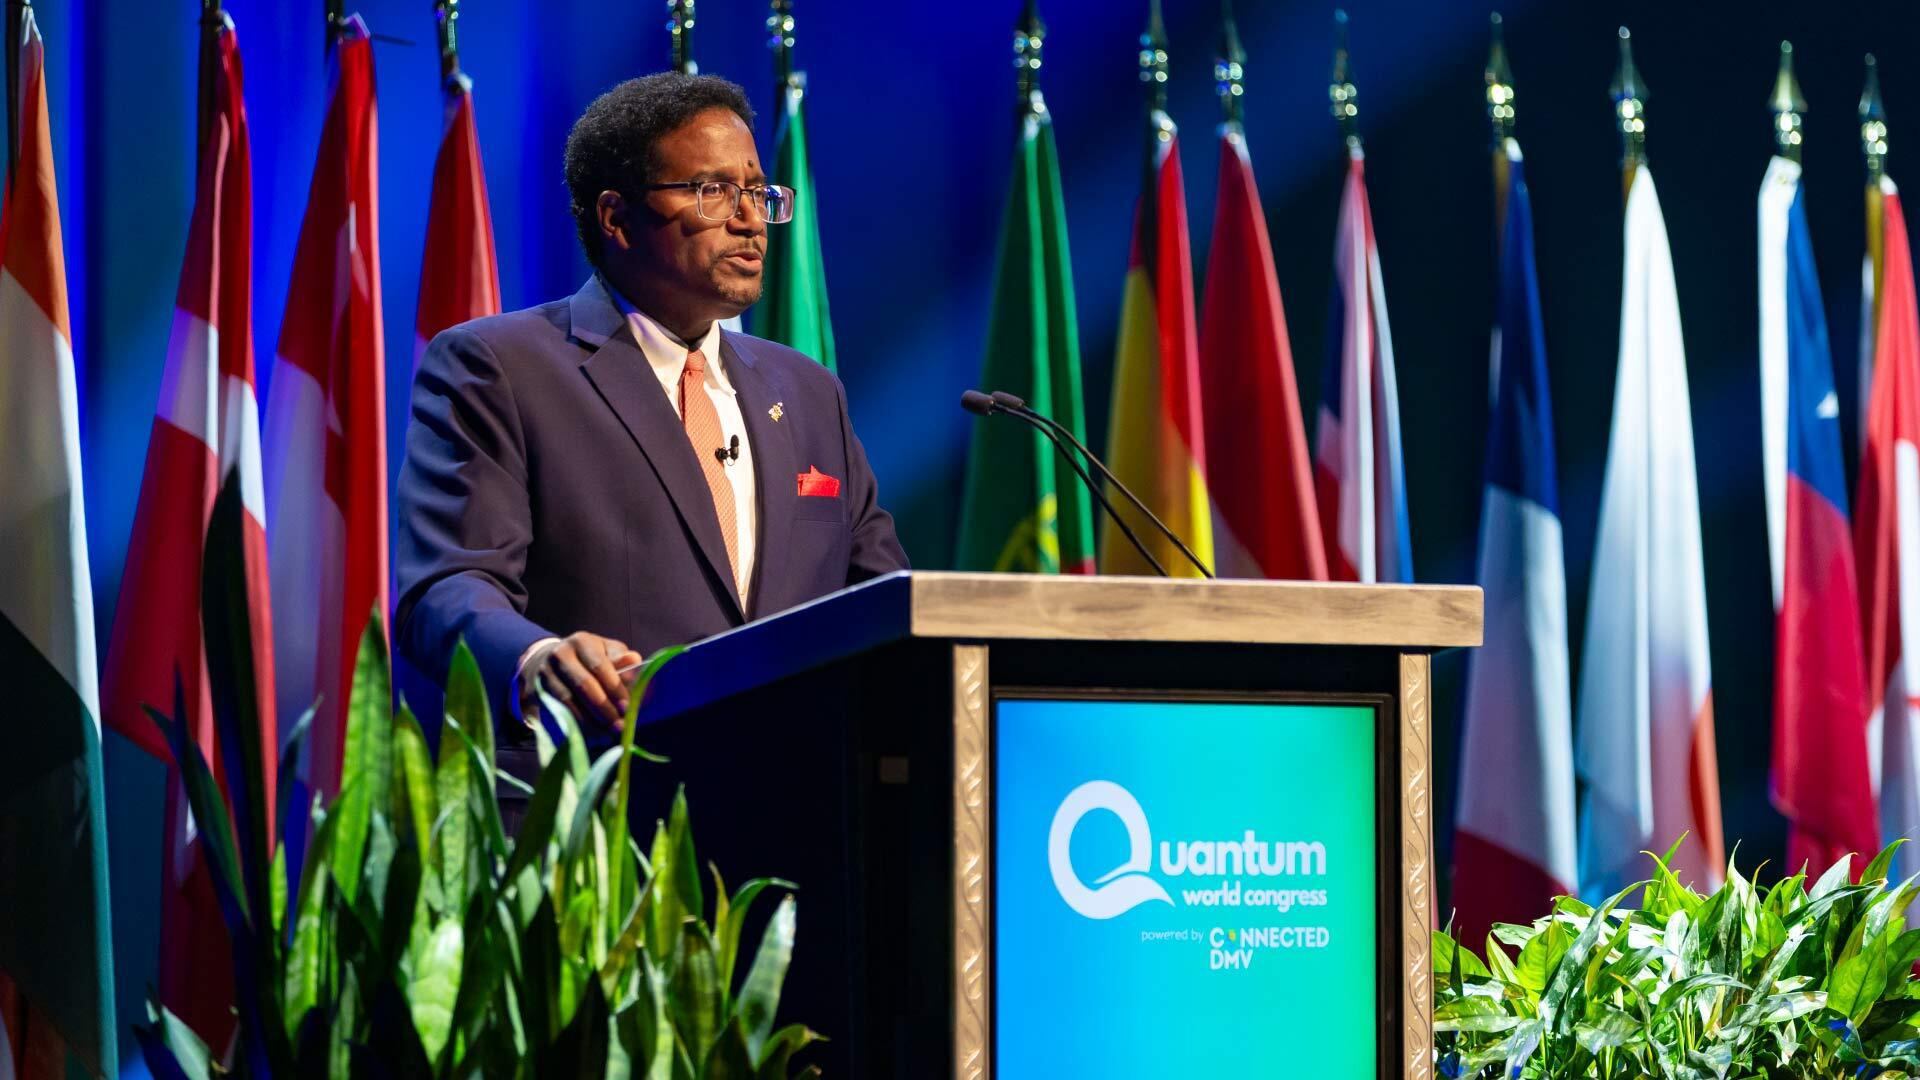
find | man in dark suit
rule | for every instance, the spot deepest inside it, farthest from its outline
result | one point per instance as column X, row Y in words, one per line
column 598, row 477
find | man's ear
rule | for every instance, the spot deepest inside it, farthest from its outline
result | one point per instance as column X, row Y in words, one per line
column 611, row 209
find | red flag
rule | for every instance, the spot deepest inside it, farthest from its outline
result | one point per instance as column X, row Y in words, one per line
column 1886, row 537
column 459, row 279
column 206, row 424
column 326, row 425
column 1258, row 471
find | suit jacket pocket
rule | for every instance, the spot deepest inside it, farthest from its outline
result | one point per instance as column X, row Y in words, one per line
column 831, row 508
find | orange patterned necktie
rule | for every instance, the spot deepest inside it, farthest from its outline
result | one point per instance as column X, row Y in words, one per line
column 702, row 422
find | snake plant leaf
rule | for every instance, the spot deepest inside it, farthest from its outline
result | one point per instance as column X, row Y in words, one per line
column 290, row 750
column 436, row 985
column 539, row 983
column 730, row 923
column 171, row 1049
column 727, row 1058
column 580, row 1049
column 452, row 785
column 760, row 994
column 580, row 830
column 367, row 756
column 536, row 828
column 777, row 1054
column 653, row 1031
column 693, row 991
column 209, row 812
column 466, row 699
column 414, row 770
column 308, row 957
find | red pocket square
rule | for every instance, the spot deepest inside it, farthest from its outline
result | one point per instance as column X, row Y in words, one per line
column 815, row 482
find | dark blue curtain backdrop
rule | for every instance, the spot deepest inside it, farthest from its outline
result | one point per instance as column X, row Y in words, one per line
column 920, row 97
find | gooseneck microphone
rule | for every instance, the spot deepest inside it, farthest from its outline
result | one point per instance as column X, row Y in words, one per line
column 983, row 405
column 1009, row 403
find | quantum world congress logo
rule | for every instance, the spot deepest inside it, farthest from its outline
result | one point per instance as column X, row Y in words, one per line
column 1126, row 886
column 1131, row 884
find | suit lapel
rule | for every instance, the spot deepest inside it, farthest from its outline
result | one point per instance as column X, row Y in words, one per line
column 774, row 467
column 626, row 382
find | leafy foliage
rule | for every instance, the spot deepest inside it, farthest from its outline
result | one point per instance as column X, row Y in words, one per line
column 422, row 941
column 1787, row 981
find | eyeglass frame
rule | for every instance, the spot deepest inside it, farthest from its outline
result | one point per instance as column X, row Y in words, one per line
column 738, row 191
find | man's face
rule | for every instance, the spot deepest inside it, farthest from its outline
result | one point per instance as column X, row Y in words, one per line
column 709, row 269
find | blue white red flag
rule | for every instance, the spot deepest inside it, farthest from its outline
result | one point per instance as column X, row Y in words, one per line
column 1513, row 846
column 1357, row 474
column 1820, row 772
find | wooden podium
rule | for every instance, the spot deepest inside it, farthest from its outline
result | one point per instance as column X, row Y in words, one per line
column 848, row 745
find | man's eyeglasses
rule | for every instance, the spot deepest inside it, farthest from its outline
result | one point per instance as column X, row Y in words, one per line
column 719, row 200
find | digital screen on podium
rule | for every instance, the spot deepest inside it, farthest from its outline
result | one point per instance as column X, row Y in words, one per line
column 1184, row 889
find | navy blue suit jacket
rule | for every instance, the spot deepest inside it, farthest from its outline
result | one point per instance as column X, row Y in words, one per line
column 549, row 487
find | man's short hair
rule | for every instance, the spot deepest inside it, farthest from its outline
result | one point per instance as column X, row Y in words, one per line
column 612, row 145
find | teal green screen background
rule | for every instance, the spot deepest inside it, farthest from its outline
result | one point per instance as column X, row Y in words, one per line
column 1145, row 992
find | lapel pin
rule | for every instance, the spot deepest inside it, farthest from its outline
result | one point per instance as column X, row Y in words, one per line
column 779, row 410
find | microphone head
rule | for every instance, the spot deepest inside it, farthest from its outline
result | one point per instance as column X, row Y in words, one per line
column 977, row 403
column 1008, row 401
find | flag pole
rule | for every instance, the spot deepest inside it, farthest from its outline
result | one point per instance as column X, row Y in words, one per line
column 336, row 16
column 1029, row 42
column 780, row 41
column 1341, row 91
column 1873, row 124
column 211, row 18
column 1500, row 94
column 1630, row 112
column 680, row 26
column 1229, row 69
column 446, row 16
column 1160, row 129
column 15, row 20
column 1788, row 106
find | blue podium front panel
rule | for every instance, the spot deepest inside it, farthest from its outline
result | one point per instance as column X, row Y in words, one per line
column 1185, row 889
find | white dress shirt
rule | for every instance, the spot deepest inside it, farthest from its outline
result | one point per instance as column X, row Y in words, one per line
column 667, row 355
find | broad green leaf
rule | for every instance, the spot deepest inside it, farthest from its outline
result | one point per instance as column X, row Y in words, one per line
column 1541, row 954
column 1853, row 987
column 1876, row 870
column 1779, row 1008
column 1474, row 1014
column 436, row 985
column 760, row 994
column 1498, row 964
column 1836, row 876
column 1606, row 1032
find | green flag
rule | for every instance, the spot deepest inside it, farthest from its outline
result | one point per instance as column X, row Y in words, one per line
column 793, row 306
column 1024, row 509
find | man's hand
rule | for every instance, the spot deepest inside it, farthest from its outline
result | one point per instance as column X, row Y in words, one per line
column 579, row 670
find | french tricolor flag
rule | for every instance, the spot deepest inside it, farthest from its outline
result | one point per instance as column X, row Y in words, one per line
column 1358, row 476
column 1513, row 847
column 1820, row 769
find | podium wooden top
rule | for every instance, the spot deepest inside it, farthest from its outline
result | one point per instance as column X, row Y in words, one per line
column 1033, row 607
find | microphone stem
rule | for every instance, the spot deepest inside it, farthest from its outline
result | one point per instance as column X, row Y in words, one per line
column 1126, row 530
column 1067, row 433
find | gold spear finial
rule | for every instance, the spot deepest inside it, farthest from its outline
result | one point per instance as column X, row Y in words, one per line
column 1500, row 90
column 1873, row 123
column 1341, row 91
column 1629, row 104
column 1787, row 106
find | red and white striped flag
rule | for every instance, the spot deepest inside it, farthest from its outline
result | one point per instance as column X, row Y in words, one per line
column 1258, row 472
column 207, row 424
column 1358, row 476
column 326, row 431
column 1887, row 539
column 459, row 278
